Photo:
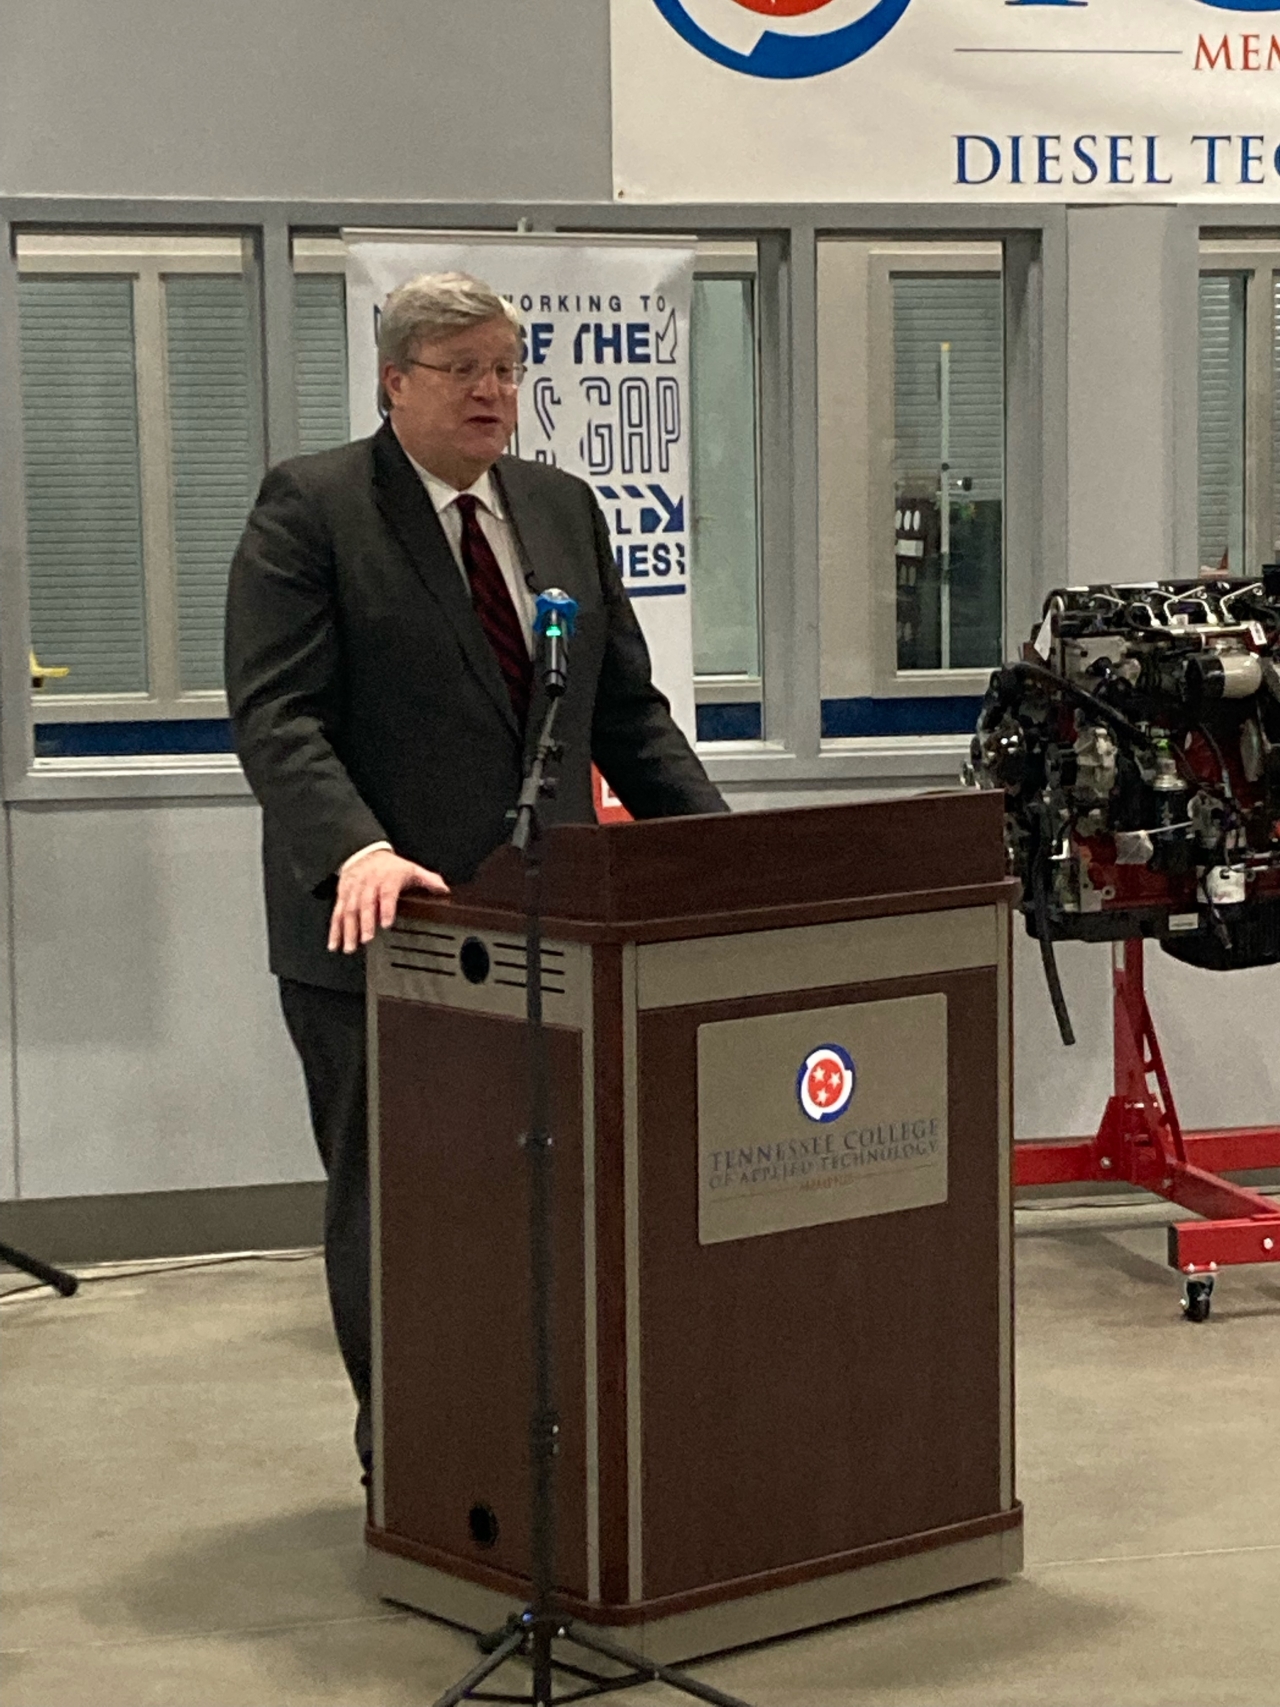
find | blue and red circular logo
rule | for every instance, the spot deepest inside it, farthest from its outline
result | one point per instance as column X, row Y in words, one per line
column 782, row 38
column 826, row 1082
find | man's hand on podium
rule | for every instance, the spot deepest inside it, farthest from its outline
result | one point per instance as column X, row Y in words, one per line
column 369, row 889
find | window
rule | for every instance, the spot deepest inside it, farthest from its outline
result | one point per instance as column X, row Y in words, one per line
column 142, row 420
column 723, row 448
column 911, row 411
column 215, row 458
column 948, row 470
column 1222, row 421
column 83, row 481
column 320, row 343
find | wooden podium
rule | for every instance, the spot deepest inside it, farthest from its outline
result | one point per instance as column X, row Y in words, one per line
column 781, row 1116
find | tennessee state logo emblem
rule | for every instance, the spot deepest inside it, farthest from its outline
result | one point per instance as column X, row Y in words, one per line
column 825, row 1082
column 782, row 38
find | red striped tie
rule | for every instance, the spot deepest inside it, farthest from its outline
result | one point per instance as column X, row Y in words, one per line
column 494, row 607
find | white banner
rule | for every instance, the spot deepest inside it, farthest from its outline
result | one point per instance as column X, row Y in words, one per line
column 947, row 100
column 606, row 397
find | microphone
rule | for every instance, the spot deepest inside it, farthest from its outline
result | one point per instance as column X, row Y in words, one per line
column 554, row 622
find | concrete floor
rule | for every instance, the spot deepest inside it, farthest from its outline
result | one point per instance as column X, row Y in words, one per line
column 182, row 1524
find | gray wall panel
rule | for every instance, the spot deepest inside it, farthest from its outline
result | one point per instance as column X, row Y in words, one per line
column 469, row 99
column 150, row 1051
column 151, row 1055
column 1216, row 1034
column 1131, row 393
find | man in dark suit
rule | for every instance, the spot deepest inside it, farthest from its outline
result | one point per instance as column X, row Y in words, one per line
column 382, row 691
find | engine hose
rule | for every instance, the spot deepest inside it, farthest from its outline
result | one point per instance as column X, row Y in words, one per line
column 1048, row 959
column 1204, row 730
column 1042, row 673
column 1219, row 926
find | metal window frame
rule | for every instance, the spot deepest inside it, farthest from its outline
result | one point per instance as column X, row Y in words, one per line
column 787, row 245
column 729, row 260
column 885, row 263
column 1250, row 236
column 1259, row 263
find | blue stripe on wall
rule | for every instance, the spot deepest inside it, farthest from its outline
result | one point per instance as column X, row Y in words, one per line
column 945, row 715
column 842, row 718
column 735, row 722
column 131, row 740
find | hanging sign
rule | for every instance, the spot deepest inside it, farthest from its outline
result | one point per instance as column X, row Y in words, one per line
column 946, row 100
column 606, row 398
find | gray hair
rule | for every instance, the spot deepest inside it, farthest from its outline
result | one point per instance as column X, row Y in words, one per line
column 432, row 306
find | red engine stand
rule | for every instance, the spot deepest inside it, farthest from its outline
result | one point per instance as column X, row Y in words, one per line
column 1142, row 1142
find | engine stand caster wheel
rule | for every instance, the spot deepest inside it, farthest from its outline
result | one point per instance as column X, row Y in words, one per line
column 1196, row 1297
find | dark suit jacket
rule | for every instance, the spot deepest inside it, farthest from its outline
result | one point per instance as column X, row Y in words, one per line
column 367, row 702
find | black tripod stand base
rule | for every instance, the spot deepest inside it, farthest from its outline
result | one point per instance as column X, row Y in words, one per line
column 520, row 1636
column 489, row 1641
column 58, row 1278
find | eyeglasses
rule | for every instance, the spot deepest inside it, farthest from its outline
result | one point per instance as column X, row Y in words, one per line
column 467, row 371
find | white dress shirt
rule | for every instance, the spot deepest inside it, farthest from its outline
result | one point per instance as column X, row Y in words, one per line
column 492, row 516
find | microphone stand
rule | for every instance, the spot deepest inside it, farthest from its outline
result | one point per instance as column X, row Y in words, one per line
column 536, row 1630
column 58, row 1278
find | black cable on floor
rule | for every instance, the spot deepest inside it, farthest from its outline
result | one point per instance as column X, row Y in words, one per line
column 89, row 1277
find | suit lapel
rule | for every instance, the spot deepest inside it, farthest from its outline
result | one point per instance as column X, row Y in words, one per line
column 411, row 516
column 541, row 553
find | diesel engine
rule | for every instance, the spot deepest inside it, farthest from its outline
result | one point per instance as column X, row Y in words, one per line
column 1137, row 743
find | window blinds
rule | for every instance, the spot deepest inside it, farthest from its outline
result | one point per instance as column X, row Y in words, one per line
column 320, row 360
column 1221, row 438
column 84, row 504
column 967, row 313
column 215, row 437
